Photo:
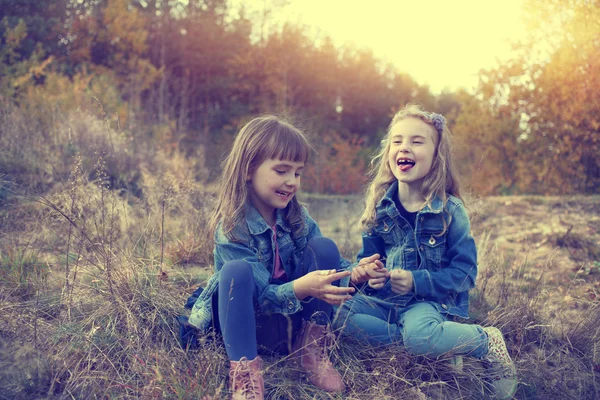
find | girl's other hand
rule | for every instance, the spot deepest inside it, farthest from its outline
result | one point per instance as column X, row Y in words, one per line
column 377, row 283
column 318, row 284
column 402, row 281
column 367, row 269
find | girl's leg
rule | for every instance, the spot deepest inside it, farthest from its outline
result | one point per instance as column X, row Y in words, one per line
column 236, row 310
column 321, row 253
column 312, row 345
column 427, row 332
column 366, row 320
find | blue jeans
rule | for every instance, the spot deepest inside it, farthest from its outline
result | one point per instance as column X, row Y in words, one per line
column 418, row 326
column 242, row 325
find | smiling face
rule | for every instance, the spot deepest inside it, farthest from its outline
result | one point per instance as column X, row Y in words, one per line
column 274, row 184
column 411, row 152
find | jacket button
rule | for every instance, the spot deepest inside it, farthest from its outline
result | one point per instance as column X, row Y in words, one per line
column 445, row 307
column 432, row 240
column 290, row 306
column 279, row 234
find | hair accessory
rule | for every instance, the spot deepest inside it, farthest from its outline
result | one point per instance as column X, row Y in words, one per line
column 438, row 121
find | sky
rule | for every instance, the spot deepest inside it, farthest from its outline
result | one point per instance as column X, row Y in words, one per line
column 440, row 43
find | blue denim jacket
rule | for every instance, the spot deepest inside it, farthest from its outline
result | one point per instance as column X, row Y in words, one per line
column 258, row 248
column 448, row 263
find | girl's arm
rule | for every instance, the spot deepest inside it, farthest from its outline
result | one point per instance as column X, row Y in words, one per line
column 371, row 244
column 461, row 256
column 272, row 298
column 370, row 261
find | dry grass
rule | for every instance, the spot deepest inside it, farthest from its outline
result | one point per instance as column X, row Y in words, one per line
column 92, row 276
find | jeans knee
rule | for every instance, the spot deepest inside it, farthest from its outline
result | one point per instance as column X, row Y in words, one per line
column 421, row 341
column 321, row 244
column 325, row 250
column 237, row 270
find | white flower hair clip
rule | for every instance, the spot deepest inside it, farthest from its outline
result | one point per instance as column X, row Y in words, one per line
column 438, row 121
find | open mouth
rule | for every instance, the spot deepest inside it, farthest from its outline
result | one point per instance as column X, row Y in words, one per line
column 405, row 164
column 282, row 194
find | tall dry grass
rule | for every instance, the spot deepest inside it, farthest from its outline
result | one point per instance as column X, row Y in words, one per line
column 93, row 273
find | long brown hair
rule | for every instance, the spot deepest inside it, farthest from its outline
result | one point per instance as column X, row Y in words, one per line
column 263, row 138
column 441, row 180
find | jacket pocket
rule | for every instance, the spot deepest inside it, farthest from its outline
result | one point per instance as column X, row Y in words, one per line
column 432, row 248
column 386, row 229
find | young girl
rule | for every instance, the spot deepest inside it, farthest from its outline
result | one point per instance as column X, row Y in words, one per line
column 275, row 273
column 415, row 220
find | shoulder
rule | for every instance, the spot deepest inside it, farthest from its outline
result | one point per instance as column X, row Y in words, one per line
column 458, row 212
column 307, row 219
column 239, row 233
column 305, row 214
column 454, row 204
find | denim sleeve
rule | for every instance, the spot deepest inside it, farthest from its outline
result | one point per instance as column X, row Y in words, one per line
column 461, row 254
column 371, row 244
column 271, row 298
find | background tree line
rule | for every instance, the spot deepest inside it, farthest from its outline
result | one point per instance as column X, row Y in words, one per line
column 183, row 75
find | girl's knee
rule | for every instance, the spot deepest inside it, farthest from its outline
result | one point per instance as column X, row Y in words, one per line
column 421, row 340
column 239, row 270
column 321, row 244
column 324, row 251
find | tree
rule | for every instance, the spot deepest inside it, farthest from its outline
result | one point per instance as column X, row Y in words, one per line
column 552, row 93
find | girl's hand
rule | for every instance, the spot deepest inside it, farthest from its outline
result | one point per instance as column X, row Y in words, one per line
column 402, row 281
column 367, row 269
column 318, row 284
column 377, row 283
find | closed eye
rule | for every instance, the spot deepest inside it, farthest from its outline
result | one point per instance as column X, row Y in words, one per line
column 280, row 172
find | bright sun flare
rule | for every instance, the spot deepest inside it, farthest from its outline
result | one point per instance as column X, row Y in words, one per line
column 440, row 43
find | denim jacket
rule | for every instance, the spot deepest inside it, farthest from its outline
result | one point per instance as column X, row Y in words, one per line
column 448, row 262
column 258, row 248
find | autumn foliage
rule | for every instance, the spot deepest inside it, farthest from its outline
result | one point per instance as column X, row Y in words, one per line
column 184, row 75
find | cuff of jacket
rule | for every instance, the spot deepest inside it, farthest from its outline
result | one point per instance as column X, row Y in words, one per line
column 288, row 299
column 422, row 282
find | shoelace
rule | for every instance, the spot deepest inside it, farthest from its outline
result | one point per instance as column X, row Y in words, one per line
column 249, row 386
column 325, row 344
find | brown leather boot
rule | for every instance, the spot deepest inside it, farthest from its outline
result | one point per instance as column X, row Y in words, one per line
column 246, row 379
column 311, row 348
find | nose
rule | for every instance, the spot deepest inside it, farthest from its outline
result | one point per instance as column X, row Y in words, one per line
column 404, row 147
column 292, row 180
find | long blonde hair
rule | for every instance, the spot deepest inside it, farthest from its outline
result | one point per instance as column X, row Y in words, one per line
column 263, row 138
column 441, row 180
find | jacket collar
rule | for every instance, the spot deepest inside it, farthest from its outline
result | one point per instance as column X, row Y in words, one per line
column 436, row 206
column 257, row 224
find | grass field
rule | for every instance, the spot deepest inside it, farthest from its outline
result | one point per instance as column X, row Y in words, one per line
column 91, row 283
column 102, row 239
